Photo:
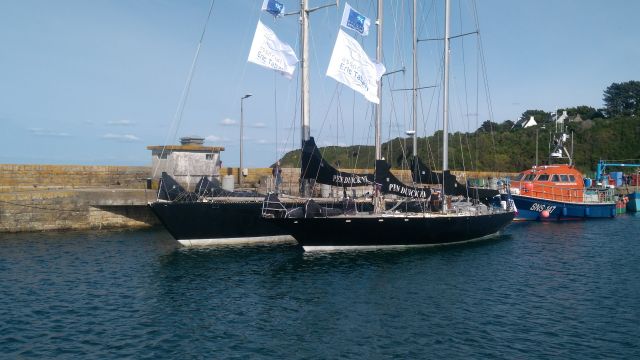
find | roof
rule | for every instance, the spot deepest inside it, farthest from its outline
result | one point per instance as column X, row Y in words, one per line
column 190, row 147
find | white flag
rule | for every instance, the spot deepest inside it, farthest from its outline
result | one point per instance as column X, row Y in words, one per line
column 352, row 19
column 268, row 51
column 351, row 66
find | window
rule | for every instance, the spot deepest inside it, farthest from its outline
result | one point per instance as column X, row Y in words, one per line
column 564, row 178
column 162, row 155
column 543, row 177
column 518, row 177
column 530, row 177
column 209, row 156
column 572, row 178
column 555, row 178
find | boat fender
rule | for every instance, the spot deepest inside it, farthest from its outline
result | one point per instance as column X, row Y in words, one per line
column 587, row 212
column 564, row 211
column 544, row 214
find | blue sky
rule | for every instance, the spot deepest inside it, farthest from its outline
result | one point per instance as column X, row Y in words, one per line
column 95, row 82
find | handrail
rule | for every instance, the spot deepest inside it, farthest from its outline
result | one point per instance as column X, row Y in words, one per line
column 564, row 193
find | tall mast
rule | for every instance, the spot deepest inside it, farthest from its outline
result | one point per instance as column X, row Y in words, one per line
column 378, row 109
column 445, row 85
column 304, row 73
column 414, row 106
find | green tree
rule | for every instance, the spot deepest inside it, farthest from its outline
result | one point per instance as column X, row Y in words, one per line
column 622, row 99
column 540, row 116
column 586, row 112
column 488, row 126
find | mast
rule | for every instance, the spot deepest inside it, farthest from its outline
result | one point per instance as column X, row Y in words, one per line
column 304, row 87
column 304, row 73
column 414, row 106
column 378, row 108
column 445, row 85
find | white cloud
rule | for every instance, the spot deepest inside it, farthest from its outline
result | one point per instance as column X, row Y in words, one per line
column 259, row 125
column 121, row 137
column 263, row 141
column 216, row 139
column 228, row 122
column 47, row 132
column 122, row 122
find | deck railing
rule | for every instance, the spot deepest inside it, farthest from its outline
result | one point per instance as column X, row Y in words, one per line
column 568, row 194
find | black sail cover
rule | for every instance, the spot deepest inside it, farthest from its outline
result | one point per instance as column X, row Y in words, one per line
column 422, row 174
column 391, row 185
column 316, row 168
column 170, row 190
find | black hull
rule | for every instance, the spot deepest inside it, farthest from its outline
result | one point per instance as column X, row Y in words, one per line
column 383, row 231
column 214, row 220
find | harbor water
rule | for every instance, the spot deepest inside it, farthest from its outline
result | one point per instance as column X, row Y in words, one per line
column 538, row 291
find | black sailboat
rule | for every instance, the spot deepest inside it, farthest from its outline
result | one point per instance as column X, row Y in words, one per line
column 436, row 220
column 210, row 215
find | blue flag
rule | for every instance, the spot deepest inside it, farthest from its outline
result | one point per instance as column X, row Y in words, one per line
column 273, row 7
column 351, row 19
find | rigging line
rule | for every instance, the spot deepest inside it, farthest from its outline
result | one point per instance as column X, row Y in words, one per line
column 394, row 116
column 294, row 119
column 177, row 117
column 485, row 78
column 324, row 120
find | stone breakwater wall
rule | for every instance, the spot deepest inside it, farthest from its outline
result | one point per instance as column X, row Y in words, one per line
column 73, row 176
column 73, row 209
column 73, row 197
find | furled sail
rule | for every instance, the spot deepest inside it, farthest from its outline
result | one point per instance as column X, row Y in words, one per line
column 316, row 168
column 170, row 190
column 422, row 174
column 212, row 188
column 391, row 185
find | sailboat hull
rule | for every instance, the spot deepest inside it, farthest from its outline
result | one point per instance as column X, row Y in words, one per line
column 390, row 230
column 210, row 223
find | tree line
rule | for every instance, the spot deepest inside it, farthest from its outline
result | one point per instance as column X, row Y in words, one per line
column 611, row 132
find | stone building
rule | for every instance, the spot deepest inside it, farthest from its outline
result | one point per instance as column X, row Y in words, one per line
column 187, row 162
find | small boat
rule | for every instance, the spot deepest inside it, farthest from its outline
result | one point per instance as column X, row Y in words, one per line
column 559, row 191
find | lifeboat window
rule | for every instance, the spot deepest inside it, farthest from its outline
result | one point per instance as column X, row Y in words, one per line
column 543, row 177
column 564, row 178
column 555, row 178
column 518, row 177
column 572, row 178
column 530, row 177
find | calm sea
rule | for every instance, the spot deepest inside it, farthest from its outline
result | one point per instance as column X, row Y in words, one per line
column 540, row 291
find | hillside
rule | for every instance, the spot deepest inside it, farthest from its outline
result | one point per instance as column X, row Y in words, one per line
column 503, row 149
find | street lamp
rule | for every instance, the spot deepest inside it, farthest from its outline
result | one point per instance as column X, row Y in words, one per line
column 241, row 135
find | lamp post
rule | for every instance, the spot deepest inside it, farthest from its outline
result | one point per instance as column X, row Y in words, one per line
column 241, row 136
